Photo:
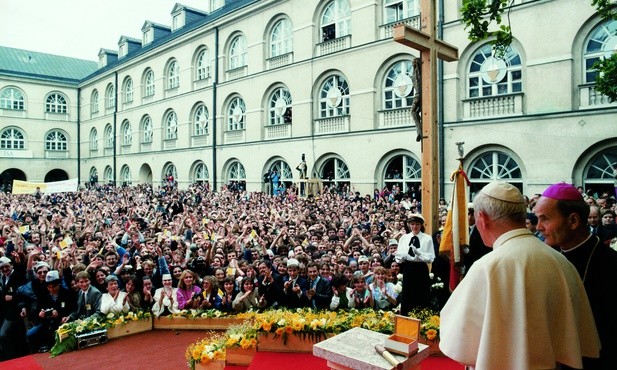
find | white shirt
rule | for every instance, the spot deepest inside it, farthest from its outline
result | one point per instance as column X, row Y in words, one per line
column 426, row 252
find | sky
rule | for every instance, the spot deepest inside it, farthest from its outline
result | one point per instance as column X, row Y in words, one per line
column 80, row 28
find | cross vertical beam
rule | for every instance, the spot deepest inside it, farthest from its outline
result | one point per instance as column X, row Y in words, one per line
column 431, row 48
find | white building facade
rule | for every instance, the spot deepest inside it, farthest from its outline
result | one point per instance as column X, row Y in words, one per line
column 231, row 91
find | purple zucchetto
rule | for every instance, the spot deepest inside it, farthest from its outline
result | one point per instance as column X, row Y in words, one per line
column 563, row 191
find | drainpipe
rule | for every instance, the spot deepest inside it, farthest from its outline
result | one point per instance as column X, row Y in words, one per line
column 78, row 136
column 115, row 159
column 214, row 123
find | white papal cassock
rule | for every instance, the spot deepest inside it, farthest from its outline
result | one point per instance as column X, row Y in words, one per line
column 522, row 306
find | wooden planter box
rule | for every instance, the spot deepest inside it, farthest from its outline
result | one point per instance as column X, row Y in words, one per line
column 212, row 365
column 129, row 327
column 297, row 344
column 239, row 357
column 217, row 323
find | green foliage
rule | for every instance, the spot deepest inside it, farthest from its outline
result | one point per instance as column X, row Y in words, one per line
column 478, row 15
column 606, row 83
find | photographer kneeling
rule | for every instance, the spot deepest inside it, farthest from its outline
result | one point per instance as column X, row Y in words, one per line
column 56, row 306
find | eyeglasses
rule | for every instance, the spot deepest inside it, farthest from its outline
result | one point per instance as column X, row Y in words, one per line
column 42, row 272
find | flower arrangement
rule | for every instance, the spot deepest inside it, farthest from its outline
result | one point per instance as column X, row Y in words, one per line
column 429, row 322
column 194, row 314
column 305, row 322
column 66, row 334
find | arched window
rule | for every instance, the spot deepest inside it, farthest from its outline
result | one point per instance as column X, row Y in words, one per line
column 146, row 129
column 11, row 98
column 491, row 166
column 12, row 138
column 94, row 102
column 128, row 90
column 489, row 75
column 334, row 172
column 336, row 20
column 94, row 174
column 200, row 173
column 237, row 52
column 279, row 109
column 285, row 173
column 173, row 75
column 149, row 83
column 170, row 169
column 200, row 121
column 396, row 10
column 236, row 114
column 405, row 172
column 171, row 126
column 109, row 137
column 236, row 172
column 127, row 134
column 601, row 171
column 398, row 86
column 601, row 44
column 281, row 38
column 334, row 97
column 94, row 139
column 108, row 174
column 110, row 99
column 56, row 141
column 55, row 103
column 125, row 175
column 203, row 65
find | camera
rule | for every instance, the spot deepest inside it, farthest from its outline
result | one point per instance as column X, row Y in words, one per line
column 48, row 312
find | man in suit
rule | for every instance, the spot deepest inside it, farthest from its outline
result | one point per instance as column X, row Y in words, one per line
column 269, row 286
column 476, row 248
column 294, row 286
column 319, row 293
column 12, row 329
column 88, row 299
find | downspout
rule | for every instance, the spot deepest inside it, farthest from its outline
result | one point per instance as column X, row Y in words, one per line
column 214, row 123
column 115, row 128
column 78, row 136
column 440, row 105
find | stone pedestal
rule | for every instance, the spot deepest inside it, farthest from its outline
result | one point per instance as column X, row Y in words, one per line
column 355, row 349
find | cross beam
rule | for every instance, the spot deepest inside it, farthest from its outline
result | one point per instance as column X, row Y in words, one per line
column 431, row 49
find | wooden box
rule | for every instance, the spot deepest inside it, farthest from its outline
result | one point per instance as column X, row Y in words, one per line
column 237, row 356
column 294, row 343
column 129, row 327
column 404, row 341
column 198, row 323
column 212, row 365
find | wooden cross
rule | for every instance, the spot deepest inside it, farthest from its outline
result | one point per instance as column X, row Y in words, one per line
column 431, row 48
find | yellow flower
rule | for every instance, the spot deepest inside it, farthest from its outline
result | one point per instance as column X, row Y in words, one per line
column 266, row 326
column 218, row 355
column 434, row 320
column 245, row 343
column 196, row 353
column 431, row 334
column 253, row 342
column 279, row 331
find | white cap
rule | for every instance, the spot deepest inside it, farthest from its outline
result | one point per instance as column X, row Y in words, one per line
column 503, row 191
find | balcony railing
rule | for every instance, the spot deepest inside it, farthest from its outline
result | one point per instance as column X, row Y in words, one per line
column 591, row 98
column 334, row 45
column 236, row 136
column 493, row 106
column 386, row 30
column 277, row 131
column 395, row 117
column 280, row 60
column 331, row 125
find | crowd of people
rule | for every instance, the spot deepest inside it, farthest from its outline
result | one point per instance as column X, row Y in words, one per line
column 104, row 249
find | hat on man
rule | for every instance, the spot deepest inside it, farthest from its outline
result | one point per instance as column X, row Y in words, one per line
column 562, row 191
column 292, row 262
column 393, row 242
column 52, row 277
column 415, row 217
column 39, row 265
column 504, row 192
column 5, row 261
column 362, row 259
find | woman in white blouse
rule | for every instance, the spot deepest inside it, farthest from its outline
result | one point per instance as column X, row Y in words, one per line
column 114, row 301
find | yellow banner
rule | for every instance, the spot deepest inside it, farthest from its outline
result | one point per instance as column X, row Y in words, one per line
column 26, row 187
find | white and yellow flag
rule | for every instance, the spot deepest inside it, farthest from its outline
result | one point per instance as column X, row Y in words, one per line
column 26, row 187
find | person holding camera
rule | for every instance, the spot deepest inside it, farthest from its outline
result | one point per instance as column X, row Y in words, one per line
column 56, row 306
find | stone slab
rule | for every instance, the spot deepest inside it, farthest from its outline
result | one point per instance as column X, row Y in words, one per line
column 355, row 349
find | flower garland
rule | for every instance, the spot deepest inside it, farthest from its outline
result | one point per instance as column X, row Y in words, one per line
column 66, row 339
column 303, row 322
